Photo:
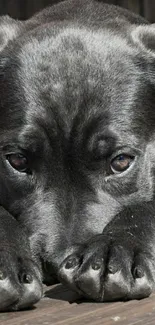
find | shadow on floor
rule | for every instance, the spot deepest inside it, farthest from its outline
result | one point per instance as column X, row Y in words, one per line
column 60, row 292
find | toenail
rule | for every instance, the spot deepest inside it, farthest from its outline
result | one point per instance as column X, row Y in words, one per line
column 96, row 265
column 1, row 276
column 27, row 278
column 138, row 273
column 71, row 263
column 112, row 269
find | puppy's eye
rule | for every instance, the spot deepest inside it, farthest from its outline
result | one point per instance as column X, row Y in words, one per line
column 121, row 163
column 18, row 161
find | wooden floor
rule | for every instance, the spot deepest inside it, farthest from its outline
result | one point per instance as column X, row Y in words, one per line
column 60, row 306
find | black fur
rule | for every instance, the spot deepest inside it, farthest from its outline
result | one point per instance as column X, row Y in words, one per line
column 77, row 89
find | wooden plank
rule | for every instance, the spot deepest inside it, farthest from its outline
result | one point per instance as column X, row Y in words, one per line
column 15, row 8
column 149, row 10
column 23, row 9
column 63, row 307
column 3, row 9
column 133, row 5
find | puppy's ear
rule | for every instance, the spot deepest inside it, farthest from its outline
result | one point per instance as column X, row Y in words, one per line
column 9, row 30
column 144, row 38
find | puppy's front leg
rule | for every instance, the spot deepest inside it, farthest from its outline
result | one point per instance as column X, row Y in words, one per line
column 118, row 264
column 20, row 278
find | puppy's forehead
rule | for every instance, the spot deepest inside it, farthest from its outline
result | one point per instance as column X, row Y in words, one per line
column 74, row 77
column 77, row 70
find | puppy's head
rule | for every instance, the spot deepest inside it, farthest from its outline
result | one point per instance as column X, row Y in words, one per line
column 76, row 131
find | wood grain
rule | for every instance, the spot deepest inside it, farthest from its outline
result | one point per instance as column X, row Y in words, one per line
column 63, row 307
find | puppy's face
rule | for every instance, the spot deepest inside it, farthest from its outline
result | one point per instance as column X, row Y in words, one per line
column 76, row 134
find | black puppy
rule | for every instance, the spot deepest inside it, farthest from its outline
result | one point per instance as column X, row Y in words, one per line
column 77, row 153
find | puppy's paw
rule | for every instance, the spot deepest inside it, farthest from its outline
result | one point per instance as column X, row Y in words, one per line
column 20, row 282
column 105, row 271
